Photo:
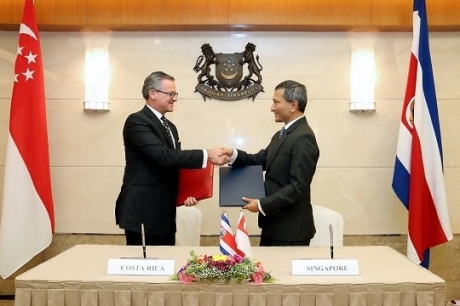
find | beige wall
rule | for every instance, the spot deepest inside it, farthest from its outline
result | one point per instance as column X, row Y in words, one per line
column 357, row 150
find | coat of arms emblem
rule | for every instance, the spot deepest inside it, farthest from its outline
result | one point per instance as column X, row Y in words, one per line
column 228, row 82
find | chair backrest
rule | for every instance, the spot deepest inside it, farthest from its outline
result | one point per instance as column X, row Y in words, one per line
column 188, row 223
column 323, row 218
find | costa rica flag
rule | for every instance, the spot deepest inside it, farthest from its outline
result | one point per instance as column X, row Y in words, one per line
column 418, row 178
column 227, row 240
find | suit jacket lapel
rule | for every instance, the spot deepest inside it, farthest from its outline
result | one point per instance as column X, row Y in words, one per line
column 274, row 147
column 276, row 142
column 158, row 125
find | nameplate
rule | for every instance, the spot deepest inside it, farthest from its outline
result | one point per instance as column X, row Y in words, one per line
column 325, row 267
column 140, row 266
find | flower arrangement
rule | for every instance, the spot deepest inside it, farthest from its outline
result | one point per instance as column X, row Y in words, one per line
column 222, row 268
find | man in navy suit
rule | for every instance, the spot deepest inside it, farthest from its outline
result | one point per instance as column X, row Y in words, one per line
column 285, row 213
column 153, row 158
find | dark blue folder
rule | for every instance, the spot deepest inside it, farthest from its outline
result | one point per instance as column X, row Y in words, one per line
column 237, row 182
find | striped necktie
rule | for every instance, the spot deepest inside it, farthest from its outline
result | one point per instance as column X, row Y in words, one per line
column 168, row 130
column 282, row 132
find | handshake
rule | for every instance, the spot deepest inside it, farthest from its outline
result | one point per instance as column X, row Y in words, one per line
column 220, row 156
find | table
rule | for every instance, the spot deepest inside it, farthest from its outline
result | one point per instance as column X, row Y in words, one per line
column 78, row 276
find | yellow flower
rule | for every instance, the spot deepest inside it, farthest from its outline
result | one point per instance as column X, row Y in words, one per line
column 219, row 257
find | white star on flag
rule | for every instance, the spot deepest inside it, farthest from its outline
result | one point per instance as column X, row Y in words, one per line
column 28, row 74
column 31, row 57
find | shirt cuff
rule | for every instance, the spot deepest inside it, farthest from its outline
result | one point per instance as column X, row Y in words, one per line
column 260, row 208
column 234, row 156
column 205, row 159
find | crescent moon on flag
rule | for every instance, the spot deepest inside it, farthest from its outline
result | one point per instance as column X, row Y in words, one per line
column 26, row 30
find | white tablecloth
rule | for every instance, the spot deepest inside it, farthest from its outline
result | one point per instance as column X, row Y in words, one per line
column 78, row 277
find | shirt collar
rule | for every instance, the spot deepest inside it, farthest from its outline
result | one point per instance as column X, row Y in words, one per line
column 157, row 113
column 292, row 122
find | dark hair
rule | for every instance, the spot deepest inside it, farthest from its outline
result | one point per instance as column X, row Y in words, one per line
column 294, row 91
column 153, row 81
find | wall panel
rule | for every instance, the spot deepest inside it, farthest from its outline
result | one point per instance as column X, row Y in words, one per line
column 61, row 13
column 391, row 13
column 271, row 15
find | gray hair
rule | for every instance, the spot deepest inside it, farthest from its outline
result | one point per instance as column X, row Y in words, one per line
column 153, row 81
column 294, row 91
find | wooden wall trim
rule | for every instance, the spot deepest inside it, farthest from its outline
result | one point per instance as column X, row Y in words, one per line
column 230, row 15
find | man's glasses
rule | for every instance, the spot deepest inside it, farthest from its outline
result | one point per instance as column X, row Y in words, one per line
column 171, row 94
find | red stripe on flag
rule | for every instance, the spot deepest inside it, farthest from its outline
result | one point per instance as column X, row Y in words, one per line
column 422, row 209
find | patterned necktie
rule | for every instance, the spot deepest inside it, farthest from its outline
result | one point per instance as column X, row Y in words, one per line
column 168, row 130
column 282, row 132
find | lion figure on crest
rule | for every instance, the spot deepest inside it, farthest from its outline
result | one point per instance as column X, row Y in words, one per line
column 254, row 65
column 209, row 58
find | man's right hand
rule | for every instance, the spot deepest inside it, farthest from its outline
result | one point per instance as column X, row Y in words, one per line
column 228, row 151
column 218, row 156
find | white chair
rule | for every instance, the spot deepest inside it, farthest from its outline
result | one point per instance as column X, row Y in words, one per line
column 188, row 223
column 323, row 218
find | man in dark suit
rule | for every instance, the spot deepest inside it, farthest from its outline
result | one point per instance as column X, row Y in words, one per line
column 153, row 158
column 285, row 213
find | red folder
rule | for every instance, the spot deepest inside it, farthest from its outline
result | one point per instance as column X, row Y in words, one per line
column 195, row 183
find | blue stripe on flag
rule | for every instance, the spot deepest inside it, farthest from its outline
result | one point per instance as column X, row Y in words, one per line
column 428, row 78
column 401, row 182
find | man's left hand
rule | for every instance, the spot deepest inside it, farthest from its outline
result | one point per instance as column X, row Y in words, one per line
column 252, row 206
column 190, row 201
